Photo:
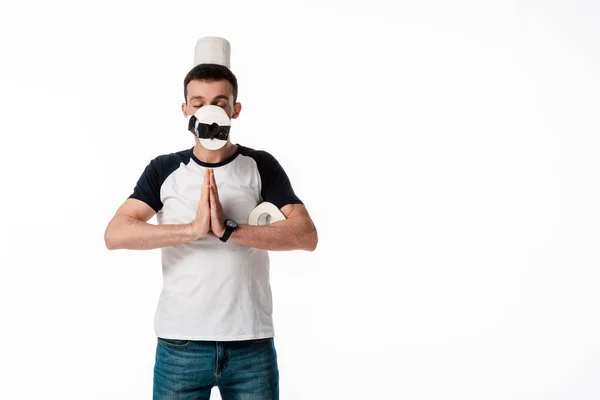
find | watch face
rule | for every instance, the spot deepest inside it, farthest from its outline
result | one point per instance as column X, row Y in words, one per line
column 231, row 224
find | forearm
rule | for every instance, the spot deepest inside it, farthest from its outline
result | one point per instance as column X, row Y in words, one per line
column 289, row 234
column 125, row 232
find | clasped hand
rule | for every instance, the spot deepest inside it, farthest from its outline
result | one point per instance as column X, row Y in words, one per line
column 209, row 217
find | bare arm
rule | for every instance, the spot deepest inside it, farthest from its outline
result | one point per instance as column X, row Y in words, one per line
column 297, row 232
column 129, row 228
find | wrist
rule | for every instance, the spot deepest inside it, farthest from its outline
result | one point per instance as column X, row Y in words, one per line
column 188, row 232
column 229, row 227
column 235, row 234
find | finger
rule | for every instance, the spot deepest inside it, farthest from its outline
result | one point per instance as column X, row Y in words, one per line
column 213, row 201
column 206, row 195
column 213, row 193
column 205, row 187
column 213, row 184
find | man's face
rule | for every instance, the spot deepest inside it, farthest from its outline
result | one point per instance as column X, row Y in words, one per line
column 216, row 93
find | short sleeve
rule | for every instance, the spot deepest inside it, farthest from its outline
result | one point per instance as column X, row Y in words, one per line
column 147, row 188
column 276, row 187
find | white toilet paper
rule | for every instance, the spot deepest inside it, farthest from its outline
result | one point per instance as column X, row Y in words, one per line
column 264, row 214
column 209, row 115
column 212, row 50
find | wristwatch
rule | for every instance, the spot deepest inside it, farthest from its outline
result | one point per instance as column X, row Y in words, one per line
column 230, row 226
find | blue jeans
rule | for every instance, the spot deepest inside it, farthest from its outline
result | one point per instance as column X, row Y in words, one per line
column 242, row 370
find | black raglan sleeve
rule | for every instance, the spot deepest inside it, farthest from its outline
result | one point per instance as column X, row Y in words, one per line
column 147, row 188
column 276, row 187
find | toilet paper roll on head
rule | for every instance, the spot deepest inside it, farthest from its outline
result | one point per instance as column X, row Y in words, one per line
column 264, row 214
column 212, row 50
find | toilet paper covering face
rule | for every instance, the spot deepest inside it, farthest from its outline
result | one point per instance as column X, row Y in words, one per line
column 211, row 125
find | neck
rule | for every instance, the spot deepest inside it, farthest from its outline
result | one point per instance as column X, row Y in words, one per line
column 214, row 156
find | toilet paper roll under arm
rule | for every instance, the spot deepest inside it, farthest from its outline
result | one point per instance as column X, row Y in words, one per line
column 264, row 214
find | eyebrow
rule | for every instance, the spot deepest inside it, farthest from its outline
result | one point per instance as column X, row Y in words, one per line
column 219, row 97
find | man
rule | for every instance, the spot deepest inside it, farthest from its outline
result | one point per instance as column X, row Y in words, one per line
column 214, row 317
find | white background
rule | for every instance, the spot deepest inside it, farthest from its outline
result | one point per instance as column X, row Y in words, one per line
column 447, row 151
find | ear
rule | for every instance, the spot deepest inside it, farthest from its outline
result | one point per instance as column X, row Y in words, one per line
column 183, row 107
column 237, row 109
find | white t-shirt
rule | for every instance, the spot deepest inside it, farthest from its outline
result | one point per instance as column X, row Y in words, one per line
column 214, row 290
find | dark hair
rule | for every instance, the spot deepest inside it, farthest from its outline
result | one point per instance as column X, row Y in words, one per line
column 211, row 73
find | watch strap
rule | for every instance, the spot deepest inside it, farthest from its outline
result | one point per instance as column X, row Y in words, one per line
column 228, row 231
